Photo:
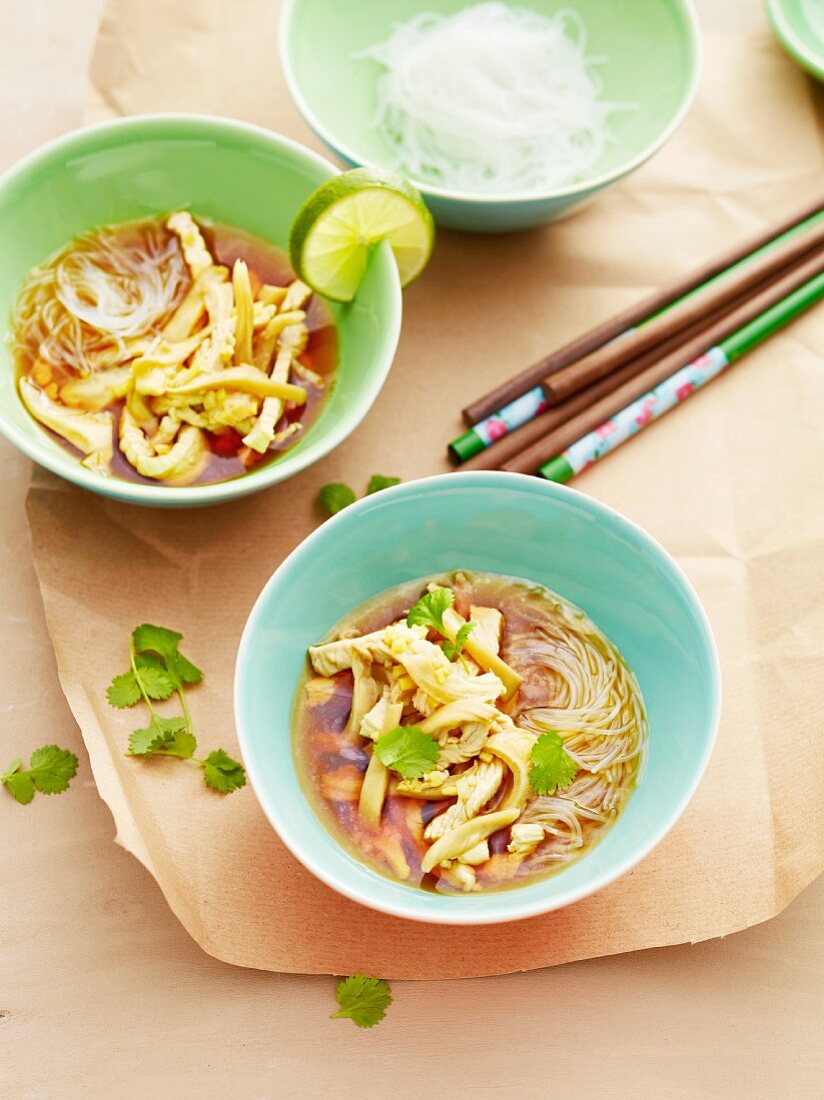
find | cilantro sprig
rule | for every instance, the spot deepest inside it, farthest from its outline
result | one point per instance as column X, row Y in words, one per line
column 408, row 751
column 362, row 1000
column 553, row 769
column 453, row 650
column 157, row 671
column 429, row 612
column 163, row 644
column 50, row 771
column 429, row 609
column 333, row 498
column 222, row 773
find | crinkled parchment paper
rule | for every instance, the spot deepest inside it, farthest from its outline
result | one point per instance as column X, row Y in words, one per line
column 730, row 484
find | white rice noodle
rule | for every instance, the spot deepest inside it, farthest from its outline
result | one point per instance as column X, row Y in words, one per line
column 597, row 707
column 100, row 301
column 492, row 99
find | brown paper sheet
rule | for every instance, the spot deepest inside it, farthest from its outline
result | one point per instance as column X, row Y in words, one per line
column 729, row 484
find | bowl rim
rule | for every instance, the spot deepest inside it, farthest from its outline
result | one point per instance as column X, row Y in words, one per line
column 273, row 472
column 522, row 905
column 793, row 43
column 527, row 198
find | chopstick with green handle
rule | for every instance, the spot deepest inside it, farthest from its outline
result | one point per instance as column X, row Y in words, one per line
column 531, row 401
column 678, row 387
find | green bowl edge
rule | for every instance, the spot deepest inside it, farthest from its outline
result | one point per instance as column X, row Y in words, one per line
column 792, row 44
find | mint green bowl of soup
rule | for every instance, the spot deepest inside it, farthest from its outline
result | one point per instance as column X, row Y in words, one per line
column 646, row 57
column 626, row 613
column 799, row 27
column 244, row 185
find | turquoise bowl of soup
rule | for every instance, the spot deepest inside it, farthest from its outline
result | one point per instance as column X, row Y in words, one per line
column 225, row 172
column 648, row 57
column 496, row 523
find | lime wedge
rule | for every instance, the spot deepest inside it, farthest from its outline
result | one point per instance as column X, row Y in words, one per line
column 340, row 224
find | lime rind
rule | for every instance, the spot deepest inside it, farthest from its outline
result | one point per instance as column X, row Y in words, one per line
column 341, row 222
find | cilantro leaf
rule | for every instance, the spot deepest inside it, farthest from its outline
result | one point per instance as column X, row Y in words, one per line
column 169, row 736
column 429, row 609
column 455, row 649
column 157, row 683
column 50, row 771
column 408, row 751
column 143, row 742
column 149, row 639
column 553, row 768
column 362, row 1000
column 20, row 786
column 335, row 497
column 222, row 773
column 379, row 481
column 124, row 690
column 182, row 669
column 183, row 742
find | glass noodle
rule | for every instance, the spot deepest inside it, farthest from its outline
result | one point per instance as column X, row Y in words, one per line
column 494, row 99
column 79, row 308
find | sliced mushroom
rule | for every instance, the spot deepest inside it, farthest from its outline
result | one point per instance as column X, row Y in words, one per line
column 331, row 657
column 182, row 463
column 458, row 713
column 474, row 788
column 466, row 836
column 514, row 746
column 195, row 252
column 96, row 390
column 90, row 432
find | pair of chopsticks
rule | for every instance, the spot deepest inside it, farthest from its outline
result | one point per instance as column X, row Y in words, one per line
column 583, row 400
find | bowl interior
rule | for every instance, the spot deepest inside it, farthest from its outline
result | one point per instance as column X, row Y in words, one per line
column 225, row 171
column 506, row 524
column 649, row 52
column 799, row 25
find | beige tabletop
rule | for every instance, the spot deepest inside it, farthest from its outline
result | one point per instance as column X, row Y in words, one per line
column 102, row 992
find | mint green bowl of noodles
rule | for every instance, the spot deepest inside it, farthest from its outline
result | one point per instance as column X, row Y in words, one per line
column 226, row 173
column 504, row 115
column 514, row 526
